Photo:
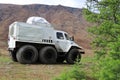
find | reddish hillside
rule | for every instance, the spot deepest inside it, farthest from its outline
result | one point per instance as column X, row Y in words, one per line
column 63, row 18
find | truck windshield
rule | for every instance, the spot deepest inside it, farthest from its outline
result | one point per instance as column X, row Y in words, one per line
column 67, row 37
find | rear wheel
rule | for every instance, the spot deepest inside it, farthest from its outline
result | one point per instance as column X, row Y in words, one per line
column 73, row 56
column 27, row 54
column 48, row 55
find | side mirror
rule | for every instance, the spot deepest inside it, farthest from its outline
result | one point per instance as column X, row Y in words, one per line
column 72, row 38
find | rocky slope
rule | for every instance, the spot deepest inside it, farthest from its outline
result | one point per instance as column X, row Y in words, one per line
column 61, row 17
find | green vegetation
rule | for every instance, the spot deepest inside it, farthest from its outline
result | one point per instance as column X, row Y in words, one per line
column 106, row 35
column 105, row 14
column 79, row 71
column 75, row 73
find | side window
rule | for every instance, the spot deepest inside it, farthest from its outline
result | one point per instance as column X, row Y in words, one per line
column 60, row 35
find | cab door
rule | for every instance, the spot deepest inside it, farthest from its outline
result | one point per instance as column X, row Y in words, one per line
column 61, row 42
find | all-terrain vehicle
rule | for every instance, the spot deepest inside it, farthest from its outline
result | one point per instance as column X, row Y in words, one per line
column 38, row 40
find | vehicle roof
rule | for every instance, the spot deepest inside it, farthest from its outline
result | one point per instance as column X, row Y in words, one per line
column 61, row 31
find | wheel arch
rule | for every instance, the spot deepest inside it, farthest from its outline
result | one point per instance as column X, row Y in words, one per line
column 76, row 47
column 36, row 45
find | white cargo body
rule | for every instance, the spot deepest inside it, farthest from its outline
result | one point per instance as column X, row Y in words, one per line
column 30, row 33
column 32, row 40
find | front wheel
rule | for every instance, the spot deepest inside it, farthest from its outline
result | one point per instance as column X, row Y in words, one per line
column 27, row 54
column 73, row 56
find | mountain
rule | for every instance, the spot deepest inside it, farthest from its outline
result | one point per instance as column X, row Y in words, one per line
column 61, row 17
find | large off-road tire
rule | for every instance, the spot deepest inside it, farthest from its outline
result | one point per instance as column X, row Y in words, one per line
column 13, row 56
column 48, row 55
column 73, row 56
column 27, row 54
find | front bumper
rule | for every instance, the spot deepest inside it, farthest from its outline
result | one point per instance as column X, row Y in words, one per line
column 82, row 51
column 10, row 49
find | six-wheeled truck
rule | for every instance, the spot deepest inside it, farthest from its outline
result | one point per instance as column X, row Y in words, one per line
column 37, row 40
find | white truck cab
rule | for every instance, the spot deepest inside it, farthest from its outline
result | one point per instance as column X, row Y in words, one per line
column 38, row 40
column 64, row 42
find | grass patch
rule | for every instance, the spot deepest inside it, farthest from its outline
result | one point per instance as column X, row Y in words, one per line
column 10, row 70
column 15, row 71
column 79, row 71
column 87, row 59
column 4, row 59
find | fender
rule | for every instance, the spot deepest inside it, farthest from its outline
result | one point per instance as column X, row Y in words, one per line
column 80, row 49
